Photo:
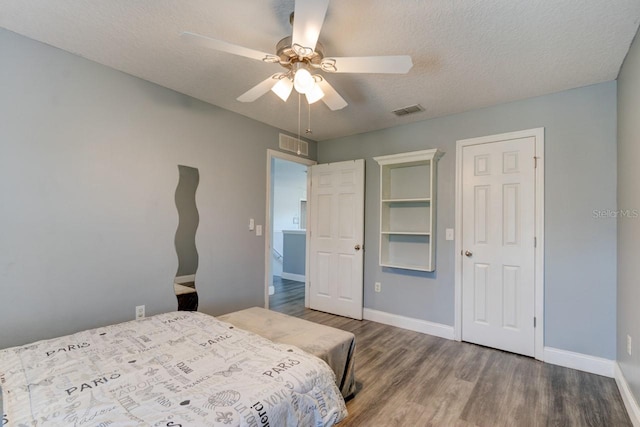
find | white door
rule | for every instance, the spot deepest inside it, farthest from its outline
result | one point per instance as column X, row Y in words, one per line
column 336, row 233
column 498, row 238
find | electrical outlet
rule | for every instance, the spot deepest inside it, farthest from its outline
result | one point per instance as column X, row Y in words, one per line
column 377, row 287
column 629, row 344
column 139, row 312
column 449, row 234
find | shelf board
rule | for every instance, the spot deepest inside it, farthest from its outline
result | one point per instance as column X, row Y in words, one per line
column 407, row 267
column 412, row 200
column 423, row 157
column 406, row 233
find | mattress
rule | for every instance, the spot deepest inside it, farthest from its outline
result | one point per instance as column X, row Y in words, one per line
column 181, row 368
column 334, row 346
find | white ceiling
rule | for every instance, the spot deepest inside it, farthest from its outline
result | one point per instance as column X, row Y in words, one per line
column 467, row 54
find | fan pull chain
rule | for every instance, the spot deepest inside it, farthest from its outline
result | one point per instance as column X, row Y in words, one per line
column 299, row 110
column 308, row 131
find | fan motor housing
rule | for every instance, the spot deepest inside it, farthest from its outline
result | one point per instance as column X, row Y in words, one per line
column 284, row 50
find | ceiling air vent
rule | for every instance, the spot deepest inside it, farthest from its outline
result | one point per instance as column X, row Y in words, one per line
column 295, row 145
column 408, row 110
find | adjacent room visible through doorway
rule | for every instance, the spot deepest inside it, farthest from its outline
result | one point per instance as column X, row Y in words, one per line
column 286, row 256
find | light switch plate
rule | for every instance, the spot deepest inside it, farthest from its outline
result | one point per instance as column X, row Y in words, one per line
column 258, row 230
column 251, row 224
column 449, row 234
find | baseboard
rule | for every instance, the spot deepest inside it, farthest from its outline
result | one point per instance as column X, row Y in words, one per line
column 630, row 401
column 296, row 277
column 185, row 279
column 417, row 325
column 579, row 361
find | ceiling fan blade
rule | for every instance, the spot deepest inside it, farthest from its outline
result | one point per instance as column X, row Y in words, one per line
column 222, row 46
column 260, row 89
column 331, row 97
column 398, row 64
column 307, row 22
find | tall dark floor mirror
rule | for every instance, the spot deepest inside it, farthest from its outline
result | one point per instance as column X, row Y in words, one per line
column 185, row 239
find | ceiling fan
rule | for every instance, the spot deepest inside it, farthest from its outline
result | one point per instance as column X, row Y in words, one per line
column 301, row 55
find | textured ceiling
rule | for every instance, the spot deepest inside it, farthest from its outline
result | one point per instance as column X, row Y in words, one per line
column 466, row 53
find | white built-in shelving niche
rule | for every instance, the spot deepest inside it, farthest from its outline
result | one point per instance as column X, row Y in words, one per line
column 408, row 209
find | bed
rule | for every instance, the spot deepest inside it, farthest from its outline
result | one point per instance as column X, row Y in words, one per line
column 173, row 369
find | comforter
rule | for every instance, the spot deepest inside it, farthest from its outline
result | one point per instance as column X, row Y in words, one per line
column 175, row 370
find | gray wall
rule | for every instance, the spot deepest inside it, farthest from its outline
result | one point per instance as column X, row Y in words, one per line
column 88, row 160
column 629, row 227
column 580, row 177
column 88, row 171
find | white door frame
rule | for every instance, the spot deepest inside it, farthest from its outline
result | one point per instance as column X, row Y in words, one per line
column 271, row 154
column 538, row 134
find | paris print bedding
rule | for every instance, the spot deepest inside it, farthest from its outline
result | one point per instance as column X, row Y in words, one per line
column 170, row 370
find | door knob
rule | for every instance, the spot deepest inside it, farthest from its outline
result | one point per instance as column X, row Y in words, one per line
column 357, row 247
column 468, row 253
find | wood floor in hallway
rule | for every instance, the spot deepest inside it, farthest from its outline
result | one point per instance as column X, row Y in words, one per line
column 411, row 379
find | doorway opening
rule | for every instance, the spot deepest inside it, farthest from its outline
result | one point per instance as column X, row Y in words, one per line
column 286, row 234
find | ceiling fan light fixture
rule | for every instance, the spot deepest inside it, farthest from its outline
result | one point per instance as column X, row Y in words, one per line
column 303, row 81
column 315, row 94
column 301, row 54
column 283, row 88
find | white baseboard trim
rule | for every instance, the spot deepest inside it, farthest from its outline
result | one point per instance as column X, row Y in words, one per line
column 417, row 325
column 568, row 359
column 579, row 361
column 185, row 279
column 296, row 277
column 630, row 401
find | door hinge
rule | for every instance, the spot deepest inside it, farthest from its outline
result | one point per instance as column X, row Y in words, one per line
column 534, row 322
column 535, row 242
column 535, row 162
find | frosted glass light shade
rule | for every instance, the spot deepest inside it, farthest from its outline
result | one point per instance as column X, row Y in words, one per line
column 283, row 88
column 303, row 81
column 315, row 94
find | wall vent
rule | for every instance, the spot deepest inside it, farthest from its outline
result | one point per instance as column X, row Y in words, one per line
column 289, row 143
column 408, row 110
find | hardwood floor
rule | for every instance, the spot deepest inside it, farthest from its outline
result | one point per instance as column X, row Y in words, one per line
column 407, row 378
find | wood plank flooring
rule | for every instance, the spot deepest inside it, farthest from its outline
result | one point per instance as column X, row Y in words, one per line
column 407, row 378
